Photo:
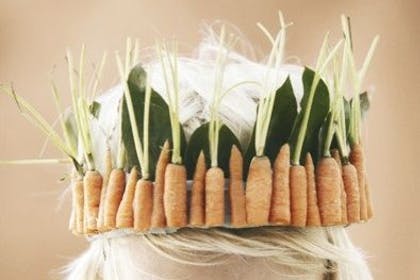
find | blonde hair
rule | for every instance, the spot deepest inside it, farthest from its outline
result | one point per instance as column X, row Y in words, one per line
column 290, row 252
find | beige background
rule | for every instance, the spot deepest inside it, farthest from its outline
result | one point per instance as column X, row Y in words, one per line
column 34, row 34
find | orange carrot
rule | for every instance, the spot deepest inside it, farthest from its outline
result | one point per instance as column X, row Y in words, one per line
column 258, row 191
column 125, row 215
column 143, row 205
column 352, row 190
column 344, row 214
column 280, row 201
column 357, row 159
column 197, row 217
column 78, row 205
column 215, row 197
column 92, row 184
column 113, row 197
column 313, row 218
column 298, row 195
column 236, row 188
column 328, row 181
column 107, row 172
column 158, row 213
column 175, row 195
column 368, row 200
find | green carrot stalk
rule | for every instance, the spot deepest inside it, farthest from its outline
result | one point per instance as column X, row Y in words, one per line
column 324, row 58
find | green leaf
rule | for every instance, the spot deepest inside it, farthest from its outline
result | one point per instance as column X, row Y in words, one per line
column 319, row 110
column 199, row 141
column 95, row 109
column 160, row 124
column 364, row 104
column 281, row 124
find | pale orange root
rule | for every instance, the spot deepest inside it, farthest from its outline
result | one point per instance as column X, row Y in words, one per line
column 313, row 218
column 107, row 172
column 369, row 200
column 328, row 182
column 236, row 189
column 197, row 217
column 352, row 190
column 125, row 215
column 116, row 185
column 298, row 195
column 158, row 213
column 344, row 214
column 92, row 184
column 78, row 206
column 258, row 191
column 357, row 159
column 280, row 200
column 143, row 205
column 175, row 195
column 215, row 197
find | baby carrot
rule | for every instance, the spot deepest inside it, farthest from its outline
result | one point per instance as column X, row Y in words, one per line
column 215, row 197
column 313, row 218
column 357, row 159
column 298, row 195
column 344, row 215
column 258, row 191
column 352, row 190
column 92, row 184
column 113, row 197
column 197, row 215
column 125, row 213
column 107, row 172
column 175, row 195
column 280, row 200
column 158, row 213
column 328, row 181
column 142, row 205
column 236, row 188
column 78, row 205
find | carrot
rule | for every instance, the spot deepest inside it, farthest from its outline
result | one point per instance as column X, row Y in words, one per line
column 197, row 217
column 92, row 184
column 298, row 195
column 369, row 201
column 258, row 191
column 175, row 195
column 78, row 206
column 328, row 181
column 215, row 197
column 158, row 213
column 113, row 197
column 72, row 220
column 357, row 159
column 236, row 188
column 344, row 215
column 352, row 190
column 143, row 205
column 107, row 172
column 280, row 200
column 125, row 213
column 313, row 218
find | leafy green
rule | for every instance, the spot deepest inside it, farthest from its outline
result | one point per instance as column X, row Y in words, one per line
column 160, row 125
column 281, row 124
column 199, row 141
column 95, row 109
column 318, row 113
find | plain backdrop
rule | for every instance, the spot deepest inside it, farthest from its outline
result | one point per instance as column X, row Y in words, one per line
column 34, row 240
